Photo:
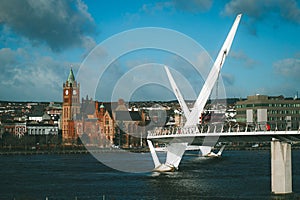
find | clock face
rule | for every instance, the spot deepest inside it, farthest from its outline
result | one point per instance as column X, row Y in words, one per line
column 67, row 92
column 74, row 92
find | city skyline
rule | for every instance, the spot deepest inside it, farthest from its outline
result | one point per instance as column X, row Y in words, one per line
column 38, row 48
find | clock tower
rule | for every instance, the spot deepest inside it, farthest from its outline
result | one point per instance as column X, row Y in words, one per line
column 71, row 107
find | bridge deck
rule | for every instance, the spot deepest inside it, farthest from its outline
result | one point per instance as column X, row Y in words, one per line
column 198, row 138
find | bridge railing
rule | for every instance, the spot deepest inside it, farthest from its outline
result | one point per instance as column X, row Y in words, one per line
column 224, row 128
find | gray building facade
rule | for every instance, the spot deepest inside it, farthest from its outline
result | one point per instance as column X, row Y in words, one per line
column 278, row 112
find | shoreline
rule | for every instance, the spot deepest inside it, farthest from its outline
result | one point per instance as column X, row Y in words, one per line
column 81, row 151
column 62, row 152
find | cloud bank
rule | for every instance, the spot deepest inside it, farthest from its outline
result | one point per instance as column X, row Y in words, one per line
column 257, row 10
column 59, row 24
column 287, row 9
column 28, row 77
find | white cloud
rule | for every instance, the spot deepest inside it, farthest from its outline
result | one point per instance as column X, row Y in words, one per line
column 289, row 67
column 152, row 8
column 7, row 58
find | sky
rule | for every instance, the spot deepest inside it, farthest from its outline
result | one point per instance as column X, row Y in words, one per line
column 41, row 40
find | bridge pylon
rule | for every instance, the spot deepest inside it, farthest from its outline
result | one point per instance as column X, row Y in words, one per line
column 281, row 167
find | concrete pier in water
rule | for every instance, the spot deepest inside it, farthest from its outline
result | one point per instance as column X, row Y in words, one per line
column 281, row 167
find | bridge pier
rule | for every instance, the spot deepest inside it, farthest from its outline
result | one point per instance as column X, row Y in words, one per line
column 281, row 167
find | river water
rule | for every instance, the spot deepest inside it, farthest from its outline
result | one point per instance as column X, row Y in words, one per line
column 236, row 175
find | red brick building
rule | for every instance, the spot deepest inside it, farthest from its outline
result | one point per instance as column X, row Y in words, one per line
column 95, row 124
column 71, row 108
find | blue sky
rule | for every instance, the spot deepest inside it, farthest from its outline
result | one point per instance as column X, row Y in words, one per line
column 40, row 40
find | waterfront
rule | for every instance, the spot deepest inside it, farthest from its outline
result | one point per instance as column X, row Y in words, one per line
column 238, row 174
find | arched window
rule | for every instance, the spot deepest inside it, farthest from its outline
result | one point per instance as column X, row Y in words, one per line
column 106, row 120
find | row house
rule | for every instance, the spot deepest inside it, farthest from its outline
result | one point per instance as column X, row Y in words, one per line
column 16, row 128
column 19, row 129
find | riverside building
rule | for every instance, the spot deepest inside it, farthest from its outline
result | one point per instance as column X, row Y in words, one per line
column 269, row 112
column 96, row 123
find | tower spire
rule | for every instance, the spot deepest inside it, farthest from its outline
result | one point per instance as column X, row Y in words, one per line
column 71, row 77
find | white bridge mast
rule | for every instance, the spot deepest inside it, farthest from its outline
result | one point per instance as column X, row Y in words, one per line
column 176, row 150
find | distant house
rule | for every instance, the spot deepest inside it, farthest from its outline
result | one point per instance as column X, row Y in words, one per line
column 54, row 109
column 16, row 128
column 37, row 116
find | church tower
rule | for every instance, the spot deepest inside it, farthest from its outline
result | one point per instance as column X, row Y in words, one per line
column 71, row 107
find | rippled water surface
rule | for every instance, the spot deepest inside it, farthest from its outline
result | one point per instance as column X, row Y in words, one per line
column 237, row 175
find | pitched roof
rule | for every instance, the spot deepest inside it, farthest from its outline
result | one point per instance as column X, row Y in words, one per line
column 71, row 77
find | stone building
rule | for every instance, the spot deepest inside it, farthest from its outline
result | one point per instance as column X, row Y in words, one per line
column 130, row 126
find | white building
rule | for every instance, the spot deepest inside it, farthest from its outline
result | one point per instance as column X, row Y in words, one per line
column 42, row 129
